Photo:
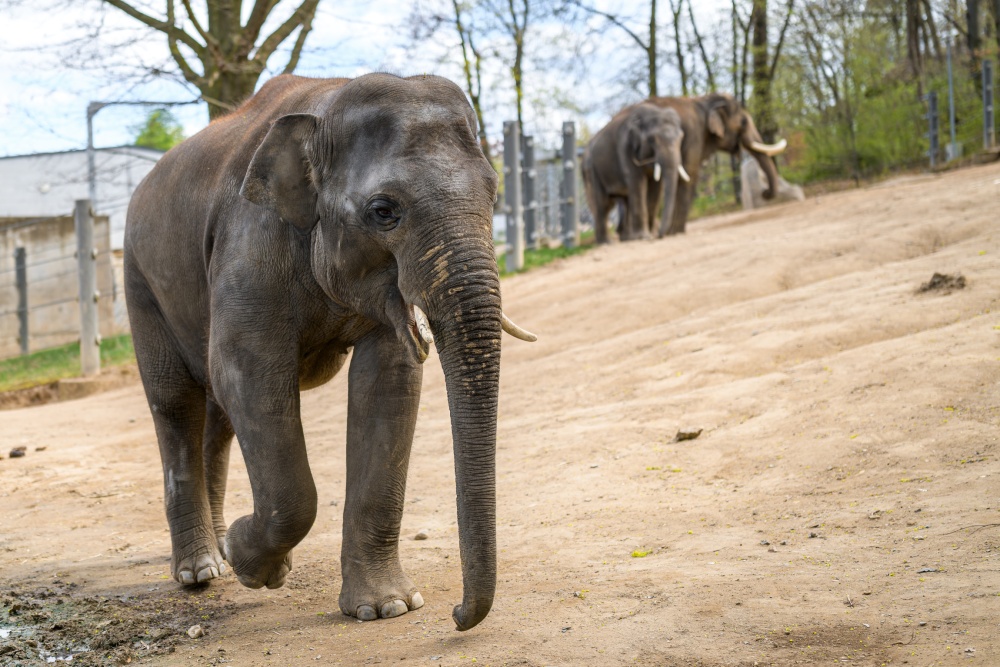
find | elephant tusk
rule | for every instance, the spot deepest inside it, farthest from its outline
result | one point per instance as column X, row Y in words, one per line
column 656, row 172
column 683, row 173
column 423, row 326
column 768, row 149
column 516, row 331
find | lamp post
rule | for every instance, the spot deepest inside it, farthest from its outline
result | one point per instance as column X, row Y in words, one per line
column 92, row 110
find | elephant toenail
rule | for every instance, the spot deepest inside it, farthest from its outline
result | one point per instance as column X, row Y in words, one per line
column 366, row 613
column 187, row 578
column 393, row 609
column 222, row 569
column 207, row 573
column 416, row 601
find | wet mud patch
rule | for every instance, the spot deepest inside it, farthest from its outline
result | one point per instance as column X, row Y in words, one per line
column 60, row 623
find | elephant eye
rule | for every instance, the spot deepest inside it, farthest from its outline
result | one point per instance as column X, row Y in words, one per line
column 383, row 214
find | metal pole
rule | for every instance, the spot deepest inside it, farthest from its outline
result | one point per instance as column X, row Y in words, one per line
column 92, row 110
column 989, row 127
column 86, row 253
column 532, row 234
column 568, row 210
column 953, row 150
column 512, row 195
column 932, row 128
column 21, row 270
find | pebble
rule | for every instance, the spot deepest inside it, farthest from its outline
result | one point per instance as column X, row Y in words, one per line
column 421, row 534
column 18, row 452
column 195, row 631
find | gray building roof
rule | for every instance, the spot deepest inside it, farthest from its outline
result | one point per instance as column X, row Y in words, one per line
column 47, row 184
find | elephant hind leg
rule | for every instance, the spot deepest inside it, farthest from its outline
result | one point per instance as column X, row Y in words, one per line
column 218, row 437
column 177, row 403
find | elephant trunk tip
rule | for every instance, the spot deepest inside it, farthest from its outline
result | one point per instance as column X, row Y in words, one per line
column 469, row 614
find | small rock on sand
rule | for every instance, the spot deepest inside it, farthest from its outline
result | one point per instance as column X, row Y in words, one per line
column 18, row 452
column 687, row 434
column 195, row 631
column 422, row 534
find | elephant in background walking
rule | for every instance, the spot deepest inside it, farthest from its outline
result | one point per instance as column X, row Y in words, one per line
column 635, row 158
column 715, row 122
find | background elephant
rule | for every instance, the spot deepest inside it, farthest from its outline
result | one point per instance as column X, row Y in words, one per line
column 636, row 159
column 753, row 183
column 715, row 122
column 321, row 216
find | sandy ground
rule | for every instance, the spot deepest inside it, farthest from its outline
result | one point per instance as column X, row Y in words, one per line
column 840, row 505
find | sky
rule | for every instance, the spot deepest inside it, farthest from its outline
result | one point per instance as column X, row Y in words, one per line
column 45, row 90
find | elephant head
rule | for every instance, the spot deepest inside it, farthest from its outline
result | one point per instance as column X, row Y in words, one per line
column 653, row 140
column 387, row 183
column 733, row 128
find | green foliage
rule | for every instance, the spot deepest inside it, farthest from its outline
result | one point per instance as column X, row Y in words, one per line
column 160, row 131
column 60, row 362
column 542, row 256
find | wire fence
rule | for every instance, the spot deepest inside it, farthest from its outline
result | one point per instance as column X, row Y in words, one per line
column 39, row 282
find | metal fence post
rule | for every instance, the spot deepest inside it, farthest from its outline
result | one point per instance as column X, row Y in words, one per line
column 86, row 253
column 932, row 128
column 531, row 231
column 512, row 195
column 21, row 271
column 568, row 211
column 989, row 126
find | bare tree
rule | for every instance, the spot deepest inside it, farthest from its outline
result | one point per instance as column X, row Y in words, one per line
column 514, row 17
column 219, row 55
column 472, row 68
column 648, row 44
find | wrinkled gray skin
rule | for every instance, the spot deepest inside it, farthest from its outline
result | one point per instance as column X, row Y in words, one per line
column 714, row 122
column 619, row 165
column 257, row 253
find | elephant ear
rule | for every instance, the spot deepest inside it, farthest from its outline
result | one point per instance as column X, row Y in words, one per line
column 634, row 139
column 279, row 177
column 716, row 123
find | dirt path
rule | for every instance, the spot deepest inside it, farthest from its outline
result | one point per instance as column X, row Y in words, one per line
column 839, row 506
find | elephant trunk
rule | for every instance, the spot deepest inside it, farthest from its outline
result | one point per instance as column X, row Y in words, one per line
column 761, row 152
column 465, row 315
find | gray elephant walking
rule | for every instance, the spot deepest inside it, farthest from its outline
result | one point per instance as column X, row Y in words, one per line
column 715, row 122
column 322, row 215
column 635, row 159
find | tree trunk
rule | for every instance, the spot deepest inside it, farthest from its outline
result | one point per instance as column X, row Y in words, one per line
column 760, row 100
column 651, row 49
column 914, row 61
column 678, row 47
column 974, row 42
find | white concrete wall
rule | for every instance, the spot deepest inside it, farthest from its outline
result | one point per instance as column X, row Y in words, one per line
column 47, row 184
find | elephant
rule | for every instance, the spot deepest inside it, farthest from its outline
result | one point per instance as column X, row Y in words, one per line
column 320, row 217
column 634, row 159
column 715, row 122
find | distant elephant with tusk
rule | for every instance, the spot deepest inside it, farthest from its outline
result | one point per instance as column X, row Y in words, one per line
column 321, row 216
column 715, row 122
column 635, row 159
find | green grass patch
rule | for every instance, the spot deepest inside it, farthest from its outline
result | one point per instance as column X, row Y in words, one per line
column 542, row 256
column 60, row 362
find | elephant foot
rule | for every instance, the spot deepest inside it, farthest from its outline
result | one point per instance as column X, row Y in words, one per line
column 254, row 566
column 198, row 563
column 379, row 596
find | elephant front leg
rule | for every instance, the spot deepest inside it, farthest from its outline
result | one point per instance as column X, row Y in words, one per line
column 261, row 396
column 384, row 394
column 685, row 196
column 634, row 226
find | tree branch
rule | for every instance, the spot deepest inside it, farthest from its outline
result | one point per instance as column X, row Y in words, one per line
column 781, row 39
column 701, row 47
column 300, row 41
column 255, row 22
column 305, row 11
column 611, row 18
column 194, row 21
column 169, row 29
